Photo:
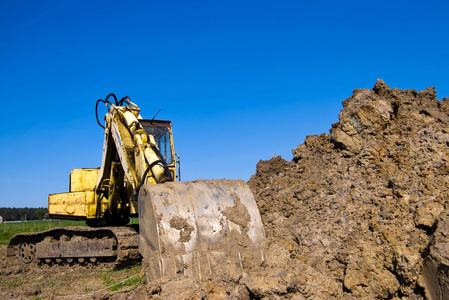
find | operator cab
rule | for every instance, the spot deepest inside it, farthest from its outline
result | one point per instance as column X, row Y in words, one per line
column 161, row 131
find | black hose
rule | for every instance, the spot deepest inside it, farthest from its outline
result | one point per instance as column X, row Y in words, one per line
column 146, row 172
column 160, row 161
column 164, row 163
column 109, row 95
column 124, row 100
column 105, row 101
column 96, row 112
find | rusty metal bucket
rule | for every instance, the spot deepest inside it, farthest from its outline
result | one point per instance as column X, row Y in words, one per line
column 199, row 228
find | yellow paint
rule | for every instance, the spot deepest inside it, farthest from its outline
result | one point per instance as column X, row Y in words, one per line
column 109, row 191
column 74, row 204
column 83, row 179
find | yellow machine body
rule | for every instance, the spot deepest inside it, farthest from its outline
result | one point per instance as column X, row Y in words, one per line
column 79, row 203
column 186, row 228
column 135, row 152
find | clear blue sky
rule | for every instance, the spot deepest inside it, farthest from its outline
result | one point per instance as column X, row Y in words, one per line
column 240, row 80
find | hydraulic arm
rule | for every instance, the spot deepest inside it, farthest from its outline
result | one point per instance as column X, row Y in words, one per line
column 185, row 228
column 135, row 152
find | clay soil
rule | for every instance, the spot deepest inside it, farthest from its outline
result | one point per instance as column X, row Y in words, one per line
column 359, row 213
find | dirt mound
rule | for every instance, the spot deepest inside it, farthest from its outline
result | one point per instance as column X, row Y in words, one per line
column 359, row 206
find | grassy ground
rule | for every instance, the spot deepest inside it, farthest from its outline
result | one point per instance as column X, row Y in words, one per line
column 133, row 277
column 66, row 282
column 8, row 230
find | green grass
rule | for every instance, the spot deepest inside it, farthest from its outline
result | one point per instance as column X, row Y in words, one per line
column 132, row 272
column 8, row 230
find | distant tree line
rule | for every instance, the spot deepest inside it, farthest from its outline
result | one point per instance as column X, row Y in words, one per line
column 22, row 214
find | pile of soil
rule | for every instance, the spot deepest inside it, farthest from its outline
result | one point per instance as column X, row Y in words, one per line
column 360, row 212
column 364, row 208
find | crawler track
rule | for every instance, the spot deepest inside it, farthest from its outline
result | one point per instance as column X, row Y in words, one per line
column 76, row 245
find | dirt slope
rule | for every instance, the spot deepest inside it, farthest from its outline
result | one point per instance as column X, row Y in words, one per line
column 359, row 205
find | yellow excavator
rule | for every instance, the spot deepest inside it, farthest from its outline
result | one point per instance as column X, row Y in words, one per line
column 185, row 228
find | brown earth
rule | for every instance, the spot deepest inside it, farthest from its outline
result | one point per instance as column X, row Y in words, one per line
column 359, row 213
column 61, row 281
column 360, row 205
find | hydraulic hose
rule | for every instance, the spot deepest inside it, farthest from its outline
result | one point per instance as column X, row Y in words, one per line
column 96, row 112
column 105, row 101
column 148, row 169
column 124, row 100
column 109, row 95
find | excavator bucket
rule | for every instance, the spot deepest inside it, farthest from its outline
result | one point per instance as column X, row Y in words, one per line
column 199, row 228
